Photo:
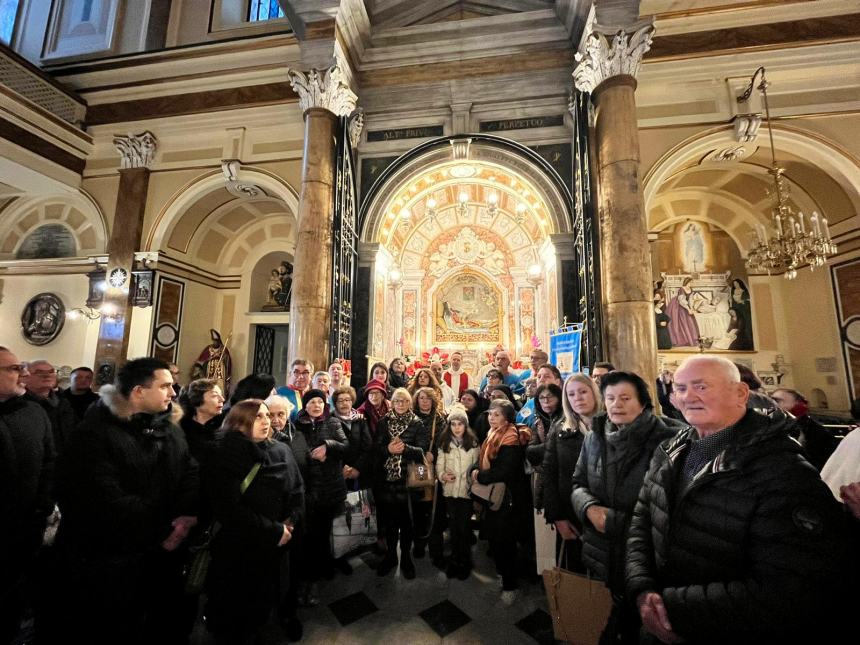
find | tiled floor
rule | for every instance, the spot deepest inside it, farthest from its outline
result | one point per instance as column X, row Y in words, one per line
column 364, row 608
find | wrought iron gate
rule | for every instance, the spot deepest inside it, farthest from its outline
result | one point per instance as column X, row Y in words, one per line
column 264, row 349
column 586, row 226
column 344, row 247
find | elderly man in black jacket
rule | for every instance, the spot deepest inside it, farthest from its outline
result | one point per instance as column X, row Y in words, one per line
column 735, row 538
column 26, row 481
column 128, row 494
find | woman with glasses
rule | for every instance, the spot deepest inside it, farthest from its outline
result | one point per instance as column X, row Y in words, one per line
column 548, row 418
column 401, row 438
column 609, row 473
column 257, row 499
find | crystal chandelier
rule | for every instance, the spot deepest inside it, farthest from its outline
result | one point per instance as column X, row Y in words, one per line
column 792, row 242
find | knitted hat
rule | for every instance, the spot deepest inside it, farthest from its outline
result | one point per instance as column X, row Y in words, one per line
column 458, row 413
column 313, row 394
column 375, row 384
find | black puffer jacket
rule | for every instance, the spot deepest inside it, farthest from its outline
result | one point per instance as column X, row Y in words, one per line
column 559, row 461
column 609, row 473
column 123, row 479
column 543, row 426
column 360, row 453
column 324, row 484
column 754, row 550
column 26, row 478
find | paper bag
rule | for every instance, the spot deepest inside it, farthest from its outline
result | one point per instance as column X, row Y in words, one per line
column 579, row 606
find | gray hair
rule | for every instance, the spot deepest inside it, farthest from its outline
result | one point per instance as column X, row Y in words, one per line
column 277, row 399
column 724, row 365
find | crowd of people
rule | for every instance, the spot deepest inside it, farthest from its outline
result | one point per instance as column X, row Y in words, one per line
column 709, row 522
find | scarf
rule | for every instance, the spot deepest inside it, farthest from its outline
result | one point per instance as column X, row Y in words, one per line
column 397, row 423
column 374, row 414
column 509, row 435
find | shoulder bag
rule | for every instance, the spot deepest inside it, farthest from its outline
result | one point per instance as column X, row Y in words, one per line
column 195, row 573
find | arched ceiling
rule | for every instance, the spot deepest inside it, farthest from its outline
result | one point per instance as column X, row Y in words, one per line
column 218, row 230
column 464, row 194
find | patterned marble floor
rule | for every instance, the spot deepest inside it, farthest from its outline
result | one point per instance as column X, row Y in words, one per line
column 364, row 608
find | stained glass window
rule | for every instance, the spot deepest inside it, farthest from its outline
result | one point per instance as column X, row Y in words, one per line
column 265, row 10
column 8, row 12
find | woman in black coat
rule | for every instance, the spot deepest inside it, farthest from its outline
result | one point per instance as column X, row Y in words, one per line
column 251, row 526
column 320, row 446
column 400, row 438
column 427, row 406
column 202, row 403
column 547, row 419
column 610, row 471
column 501, row 460
column 581, row 401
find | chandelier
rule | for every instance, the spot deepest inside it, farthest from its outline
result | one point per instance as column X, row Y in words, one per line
column 793, row 241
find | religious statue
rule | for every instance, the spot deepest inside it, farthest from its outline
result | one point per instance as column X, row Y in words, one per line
column 279, row 289
column 42, row 319
column 214, row 362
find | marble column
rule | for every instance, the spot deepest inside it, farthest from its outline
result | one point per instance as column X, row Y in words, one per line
column 607, row 69
column 136, row 153
column 323, row 97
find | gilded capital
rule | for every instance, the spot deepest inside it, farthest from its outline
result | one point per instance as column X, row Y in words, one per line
column 136, row 150
column 326, row 89
column 604, row 58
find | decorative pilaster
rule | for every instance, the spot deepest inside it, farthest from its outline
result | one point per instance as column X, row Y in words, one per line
column 137, row 153
column 323, row 96
column 607, row 69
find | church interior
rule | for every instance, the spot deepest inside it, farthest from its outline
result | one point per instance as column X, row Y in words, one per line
column 370, row 179
column 469, row 163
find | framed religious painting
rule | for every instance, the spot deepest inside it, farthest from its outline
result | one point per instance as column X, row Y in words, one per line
column 467, row 309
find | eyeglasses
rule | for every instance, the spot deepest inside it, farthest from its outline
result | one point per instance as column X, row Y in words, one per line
column 304, row 373
column 17, row 367
column 44, row 372
column 547, row 397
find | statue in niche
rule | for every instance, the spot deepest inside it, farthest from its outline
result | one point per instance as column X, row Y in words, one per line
column 214, row 362
column 280, row 288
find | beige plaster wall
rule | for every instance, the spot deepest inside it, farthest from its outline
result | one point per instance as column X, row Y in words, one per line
column 198, row 317
column 75, row 345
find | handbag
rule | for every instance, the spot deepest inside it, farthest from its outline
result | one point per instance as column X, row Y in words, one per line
column 493, row 494
column 198, row 569
column 579, row 606
column 422, row 475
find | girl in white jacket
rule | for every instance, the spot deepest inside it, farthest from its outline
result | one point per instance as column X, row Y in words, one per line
column 458, row 450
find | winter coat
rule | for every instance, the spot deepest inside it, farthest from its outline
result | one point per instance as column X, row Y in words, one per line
column 753, row 550
column 26, row 479
column 559, row 461
column 60, row 414
column 459, row 461
column 245, row 554
column 123, row 479
column 201, row 437
column 324, row 483
column 359, row 454
column 609, row 473
column 80, row 402
column 542, row 427
column 417, row 441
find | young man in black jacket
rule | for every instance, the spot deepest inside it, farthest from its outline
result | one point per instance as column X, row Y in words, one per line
column 735, row 538
column 128, row 494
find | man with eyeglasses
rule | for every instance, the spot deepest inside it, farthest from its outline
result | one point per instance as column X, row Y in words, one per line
column 298, row 382
column 41, row 388
column 26, row 484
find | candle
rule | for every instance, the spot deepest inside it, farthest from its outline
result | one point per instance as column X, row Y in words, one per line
column 826, row 230
column 815, row 227
column 778, row 226
column 802, row 225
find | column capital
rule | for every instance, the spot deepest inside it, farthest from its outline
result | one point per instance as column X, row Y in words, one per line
column 136, row 150
column 607, row 55
column 326, row 89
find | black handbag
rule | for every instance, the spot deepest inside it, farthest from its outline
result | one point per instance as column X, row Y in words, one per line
column 198, row 569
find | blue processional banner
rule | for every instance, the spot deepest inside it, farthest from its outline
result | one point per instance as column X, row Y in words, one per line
column 564, row 345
